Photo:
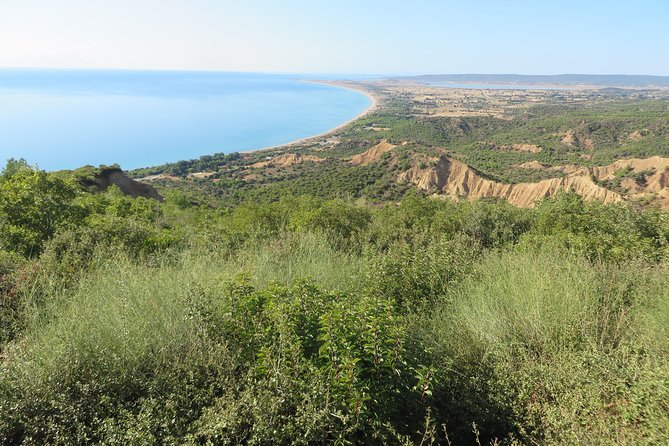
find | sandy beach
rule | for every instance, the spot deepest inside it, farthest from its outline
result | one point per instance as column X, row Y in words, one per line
column 339, row 84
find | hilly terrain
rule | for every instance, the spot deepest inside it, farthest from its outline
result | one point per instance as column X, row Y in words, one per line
column 518, row 145
column 456, row 267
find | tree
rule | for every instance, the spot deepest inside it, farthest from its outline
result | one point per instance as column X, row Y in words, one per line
column 13, row 166
column 33, row 205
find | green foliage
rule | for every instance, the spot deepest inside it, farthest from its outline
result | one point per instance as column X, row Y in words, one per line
column 340, row 220
column 329, row 368
column 11, row 278
column 415, row 274
column 607, row 233
column 13, row 166
column 526, row 330
column 308, row 320
column 33, row 205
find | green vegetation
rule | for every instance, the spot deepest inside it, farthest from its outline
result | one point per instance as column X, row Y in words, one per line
column 312, row 320
column 605, row 126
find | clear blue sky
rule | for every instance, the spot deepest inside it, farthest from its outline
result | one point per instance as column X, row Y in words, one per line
column 340, row 36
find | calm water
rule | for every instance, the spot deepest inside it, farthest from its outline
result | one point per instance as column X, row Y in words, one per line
column 65, row 119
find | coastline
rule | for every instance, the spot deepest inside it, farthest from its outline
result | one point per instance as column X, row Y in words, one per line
column 339, row 84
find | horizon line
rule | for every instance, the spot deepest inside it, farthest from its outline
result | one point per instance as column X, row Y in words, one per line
column 327, row 73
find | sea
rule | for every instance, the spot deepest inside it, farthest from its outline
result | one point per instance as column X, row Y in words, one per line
column 64, row 119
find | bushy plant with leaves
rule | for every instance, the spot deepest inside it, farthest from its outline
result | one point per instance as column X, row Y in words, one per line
column 327, row 368
column 33, row 206
column 601, row 232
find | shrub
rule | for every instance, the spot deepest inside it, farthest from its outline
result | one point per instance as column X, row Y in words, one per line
column 33, row 205
column 549, row 349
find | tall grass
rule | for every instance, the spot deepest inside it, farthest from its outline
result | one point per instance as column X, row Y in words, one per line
column 535, row 345
column 293, row 256
column 552, row 348
column 534, row 304
column 131, row 311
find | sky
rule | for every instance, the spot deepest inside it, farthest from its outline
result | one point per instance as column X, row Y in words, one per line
column 340, row 36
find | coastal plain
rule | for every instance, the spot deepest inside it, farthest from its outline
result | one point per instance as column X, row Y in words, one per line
column 522, row 145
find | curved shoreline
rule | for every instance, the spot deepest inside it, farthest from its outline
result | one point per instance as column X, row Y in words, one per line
column 338, row 84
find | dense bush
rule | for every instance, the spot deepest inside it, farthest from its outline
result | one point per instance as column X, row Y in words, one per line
column 552, row 349
column 313, row 321
column 33, row 205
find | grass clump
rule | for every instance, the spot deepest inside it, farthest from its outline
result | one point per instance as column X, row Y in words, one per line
column 554, row 349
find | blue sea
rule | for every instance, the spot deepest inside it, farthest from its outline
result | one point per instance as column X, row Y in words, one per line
column 63, row 119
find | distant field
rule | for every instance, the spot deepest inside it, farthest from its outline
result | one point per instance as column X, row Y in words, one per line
column 601, row 80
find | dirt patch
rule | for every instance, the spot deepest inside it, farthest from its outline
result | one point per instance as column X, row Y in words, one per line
column 200, row 175
column 160, row 176
column 287, row 160
column 534, row 165
column 571, row 139
column 529, row 148
column 635, row 136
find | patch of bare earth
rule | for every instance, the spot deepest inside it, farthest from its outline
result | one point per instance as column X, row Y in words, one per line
column 655, row 183
column 287, row 160
column 571, row 139
column 528, row 148
column 200, row 175
column 534, row 165
column 160, row 176
column 635, row 136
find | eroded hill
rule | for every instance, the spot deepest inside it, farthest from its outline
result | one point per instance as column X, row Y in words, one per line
column 608, row 145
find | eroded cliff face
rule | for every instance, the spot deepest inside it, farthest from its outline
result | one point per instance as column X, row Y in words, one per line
column 456, row 179
column 128, row 186
column 373, row 154
column 647, row 177
column 654, row 182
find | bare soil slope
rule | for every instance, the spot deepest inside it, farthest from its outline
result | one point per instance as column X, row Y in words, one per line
column 128, row 186
column 373, row 154
column 454, row 178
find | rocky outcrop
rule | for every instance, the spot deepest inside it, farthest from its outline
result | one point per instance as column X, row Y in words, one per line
column 113, row 176
column 131, row 187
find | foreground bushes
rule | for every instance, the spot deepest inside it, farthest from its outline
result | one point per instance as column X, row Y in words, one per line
column 145, row 354
column 314, row 322
column 555, row 350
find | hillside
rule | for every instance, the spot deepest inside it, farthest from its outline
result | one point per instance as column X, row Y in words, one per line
column 458, row 267
column 455, row 179
column 518, row 145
